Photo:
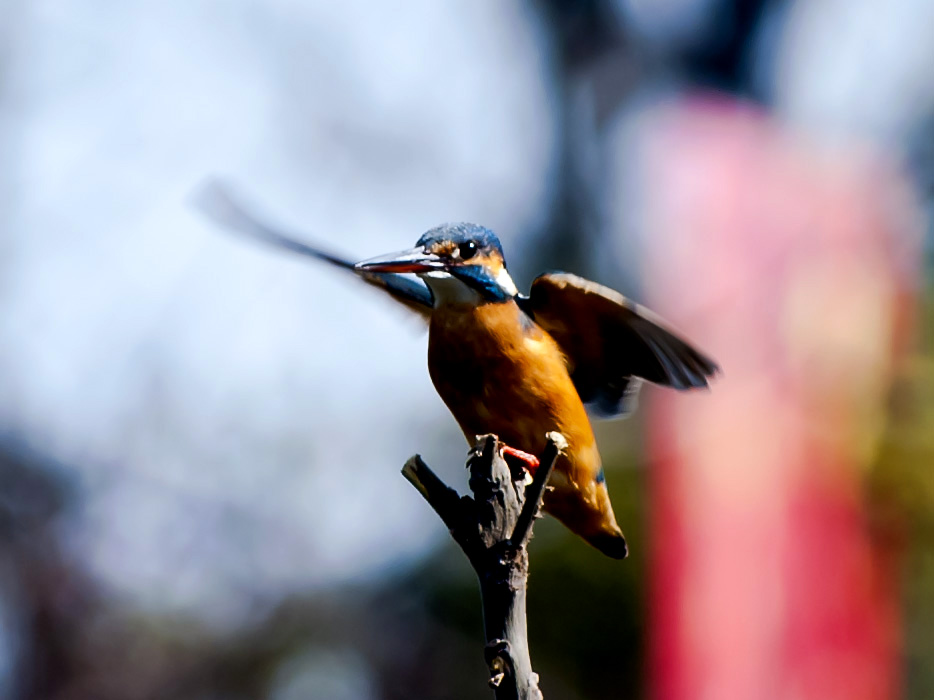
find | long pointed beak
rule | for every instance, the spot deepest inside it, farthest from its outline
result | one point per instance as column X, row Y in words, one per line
column 414, row 260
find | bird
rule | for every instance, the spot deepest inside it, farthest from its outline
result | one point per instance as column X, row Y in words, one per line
column 519, row 365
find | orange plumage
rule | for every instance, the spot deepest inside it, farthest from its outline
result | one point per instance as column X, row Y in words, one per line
column 499, row 373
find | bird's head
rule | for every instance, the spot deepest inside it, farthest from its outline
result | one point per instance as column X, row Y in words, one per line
column 461, row 263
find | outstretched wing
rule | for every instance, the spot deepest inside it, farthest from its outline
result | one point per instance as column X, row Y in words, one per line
column 610, row 342
column 221, row 206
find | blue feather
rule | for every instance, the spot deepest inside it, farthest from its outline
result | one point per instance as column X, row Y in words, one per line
column 479, row 278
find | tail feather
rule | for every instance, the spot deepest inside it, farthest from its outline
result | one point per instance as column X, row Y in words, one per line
column 587, row 513
column 613, row 545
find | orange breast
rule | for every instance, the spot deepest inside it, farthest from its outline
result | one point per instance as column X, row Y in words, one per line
column 500, row 373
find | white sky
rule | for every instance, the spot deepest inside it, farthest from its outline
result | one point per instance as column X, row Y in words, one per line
column 239, row 418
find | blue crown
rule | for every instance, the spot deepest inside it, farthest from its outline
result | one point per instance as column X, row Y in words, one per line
column 485, row 239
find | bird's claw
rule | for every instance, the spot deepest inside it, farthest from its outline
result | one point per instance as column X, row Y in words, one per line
column 529, row 462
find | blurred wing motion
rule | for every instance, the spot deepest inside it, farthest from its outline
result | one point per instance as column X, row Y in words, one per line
column 610, row 343
column 216, row 201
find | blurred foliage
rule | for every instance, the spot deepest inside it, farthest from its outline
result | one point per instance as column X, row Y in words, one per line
column 902, row 498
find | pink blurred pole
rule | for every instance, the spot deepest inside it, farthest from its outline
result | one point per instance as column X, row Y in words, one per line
column 794, row 271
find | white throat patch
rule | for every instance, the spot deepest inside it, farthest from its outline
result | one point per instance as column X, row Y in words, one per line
column 505, row 282
column 447, row 289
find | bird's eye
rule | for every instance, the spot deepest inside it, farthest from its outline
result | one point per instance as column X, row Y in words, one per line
column 467, row 250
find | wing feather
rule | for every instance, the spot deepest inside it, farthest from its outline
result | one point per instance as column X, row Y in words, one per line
column 609, row 342
column 222, row 207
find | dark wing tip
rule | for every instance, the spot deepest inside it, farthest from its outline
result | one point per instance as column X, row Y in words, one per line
column 674, row 361
column 703, row 369
column 695, row 371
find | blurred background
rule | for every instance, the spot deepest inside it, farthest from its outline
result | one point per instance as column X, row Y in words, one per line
column 200, row 439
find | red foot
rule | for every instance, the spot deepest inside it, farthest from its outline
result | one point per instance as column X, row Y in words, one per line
column 530, row 462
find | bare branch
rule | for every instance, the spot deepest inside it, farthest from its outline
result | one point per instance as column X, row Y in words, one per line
column 536, row 490
column 440, row 496
column 493, row 528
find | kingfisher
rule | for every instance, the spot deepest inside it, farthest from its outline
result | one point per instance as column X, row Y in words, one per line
column 521, row 365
